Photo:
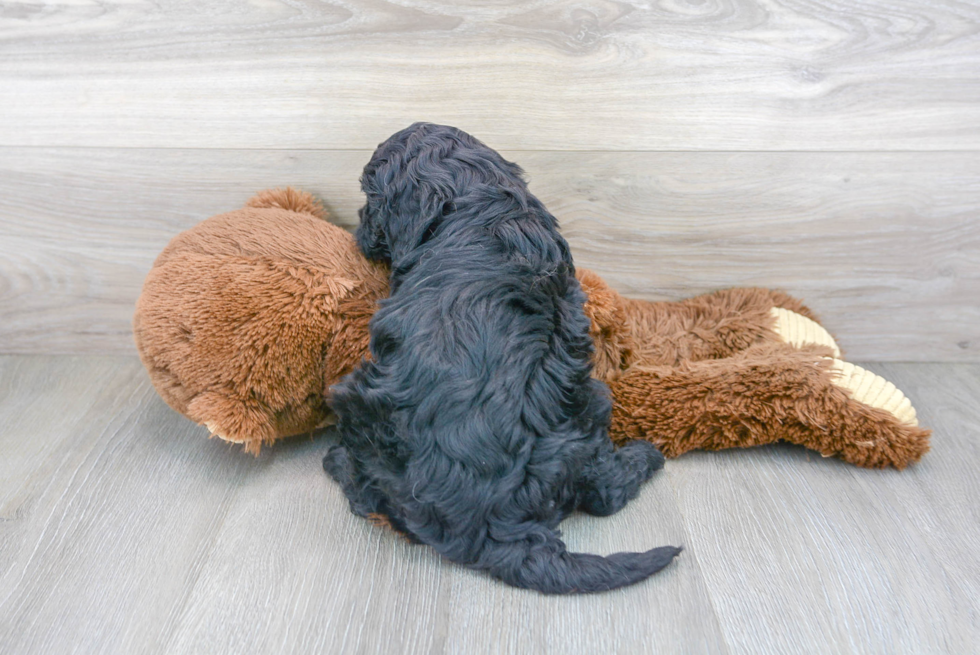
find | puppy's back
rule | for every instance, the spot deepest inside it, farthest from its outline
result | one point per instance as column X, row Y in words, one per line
column 476, row 427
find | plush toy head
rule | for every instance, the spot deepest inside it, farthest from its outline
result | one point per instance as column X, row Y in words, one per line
column 246, row 320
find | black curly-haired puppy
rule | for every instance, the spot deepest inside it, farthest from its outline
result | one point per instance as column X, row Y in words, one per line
column 475, row 428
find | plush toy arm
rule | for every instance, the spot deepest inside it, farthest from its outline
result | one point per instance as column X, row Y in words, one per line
column 630, row 332
column 768, row 393
column 719, row 324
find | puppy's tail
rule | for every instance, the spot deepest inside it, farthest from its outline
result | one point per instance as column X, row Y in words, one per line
column 547, row 567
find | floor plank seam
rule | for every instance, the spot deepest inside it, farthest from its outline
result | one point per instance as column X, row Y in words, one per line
column 204, row 556
column 368, row 149
column 56, row 505
column 697, row 563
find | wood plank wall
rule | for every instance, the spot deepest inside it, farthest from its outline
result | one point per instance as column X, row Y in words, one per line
column 827, row 147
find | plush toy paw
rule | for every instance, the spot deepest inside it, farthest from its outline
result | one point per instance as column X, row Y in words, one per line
column 882, row 428
column 232, row 419
column 873, row 424
column 863, row 385
column 881, row 425
column 253, row 444
column 770, row 392
column 873, row 390
column 799, row 331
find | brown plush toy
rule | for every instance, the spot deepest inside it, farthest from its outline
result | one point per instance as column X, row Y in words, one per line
column 247, row 319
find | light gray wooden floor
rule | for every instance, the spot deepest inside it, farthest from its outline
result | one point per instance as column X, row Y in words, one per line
column 123, row 529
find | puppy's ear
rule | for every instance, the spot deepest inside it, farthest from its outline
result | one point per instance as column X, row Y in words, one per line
column 404, row 214
column 415, row 215
column 371, row 234
column 408, row 189
column 434, row 205
column 372, row 231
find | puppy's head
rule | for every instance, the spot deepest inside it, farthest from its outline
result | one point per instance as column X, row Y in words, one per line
column 415, row 181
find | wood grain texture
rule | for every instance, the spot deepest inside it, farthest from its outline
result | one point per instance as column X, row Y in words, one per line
column 44, row 396
column 307, row 576
column 145, row 536
column 103, row 542
column 656, row 616
column 884, row 246
column 563, row 75
column 123, row 529
column 830, row 558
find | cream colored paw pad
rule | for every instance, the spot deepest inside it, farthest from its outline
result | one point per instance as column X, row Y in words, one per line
column 213, row 429
column 798, row 330
column 873, row 390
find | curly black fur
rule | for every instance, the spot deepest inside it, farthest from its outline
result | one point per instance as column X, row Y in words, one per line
column 476, row 426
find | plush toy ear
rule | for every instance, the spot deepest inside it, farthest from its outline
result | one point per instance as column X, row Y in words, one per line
column 290, row 199
column 614, row 348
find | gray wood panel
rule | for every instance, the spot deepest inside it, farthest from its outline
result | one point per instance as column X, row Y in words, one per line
column 656, row 616
column 42, row 401
column 885, row 246
column 145, row 536
column 125, row 529
column 103, row 543
column 292, row 570
column 803, row 554
column 709, row 75
column 58, row 297
column 307, row 576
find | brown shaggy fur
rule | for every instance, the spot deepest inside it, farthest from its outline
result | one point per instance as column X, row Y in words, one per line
column 247, row 319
